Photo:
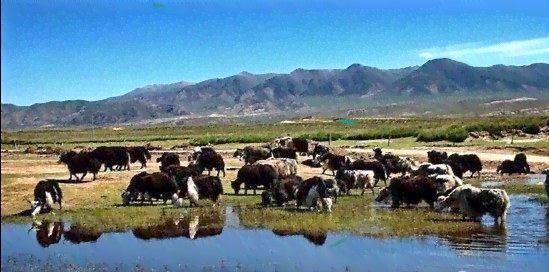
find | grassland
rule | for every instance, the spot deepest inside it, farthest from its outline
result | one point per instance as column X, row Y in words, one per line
column 422, row 129
column 97, row 204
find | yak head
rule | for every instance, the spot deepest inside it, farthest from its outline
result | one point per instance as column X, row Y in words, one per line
column 327, row 204
column 266, row 198
column 384, row 195
column 440, row 204
column 239, row 153
column 66, row 157
column 125, row 197
column 36, row 207
column 377, row 152
column 236, row 186
column 36, row 224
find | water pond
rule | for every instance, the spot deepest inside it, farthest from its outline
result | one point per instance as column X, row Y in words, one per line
column 530, row 180
column 221, row 243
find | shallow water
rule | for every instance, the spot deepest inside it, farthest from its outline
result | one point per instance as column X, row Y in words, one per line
column 531, row 179
column 221, row 243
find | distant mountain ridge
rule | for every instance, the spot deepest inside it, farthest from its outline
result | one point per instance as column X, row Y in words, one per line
column 248, row 94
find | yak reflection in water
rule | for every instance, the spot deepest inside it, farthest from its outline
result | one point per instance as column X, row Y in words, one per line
column 316, row 238
column 80, row 234
column 47, row 232
column 191, row 227
column 494, row 238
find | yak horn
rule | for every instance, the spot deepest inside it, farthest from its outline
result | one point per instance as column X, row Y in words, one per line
column 32, row 227
column 28, row 201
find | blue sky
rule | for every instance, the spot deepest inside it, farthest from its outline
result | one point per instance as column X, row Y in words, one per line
column 91, row 50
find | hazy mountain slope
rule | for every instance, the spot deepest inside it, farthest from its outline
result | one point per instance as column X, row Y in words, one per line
column 286, row 86
column 443, row 76
column 361, row 80
column 79, row 112
column 152, row 90
column 299, row 92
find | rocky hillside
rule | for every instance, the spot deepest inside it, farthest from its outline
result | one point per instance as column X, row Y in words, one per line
column 252, row 94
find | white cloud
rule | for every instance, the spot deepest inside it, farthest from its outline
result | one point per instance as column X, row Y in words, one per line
column 504, row 50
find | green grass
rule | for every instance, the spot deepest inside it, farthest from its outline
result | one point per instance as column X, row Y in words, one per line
column 351, row 214
column 354, row 214
column 424, row 129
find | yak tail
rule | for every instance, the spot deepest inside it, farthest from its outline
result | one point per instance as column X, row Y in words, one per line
column 58, row 189
column 507, row 203
column 49, row 199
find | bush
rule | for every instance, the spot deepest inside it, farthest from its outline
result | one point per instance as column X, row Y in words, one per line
column 457, row 135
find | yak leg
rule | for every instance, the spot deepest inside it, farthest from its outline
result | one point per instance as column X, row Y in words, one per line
column 323, row 171
column 82, row 178
column 375, row 183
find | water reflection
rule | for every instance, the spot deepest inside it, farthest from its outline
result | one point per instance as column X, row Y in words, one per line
column 316, row 238
column 519, row 245
column 493, row 238
column 546, row 240
column 192, row 227
column 234, row 218
column 81, row 234
column 47, row 232
column 499, row 249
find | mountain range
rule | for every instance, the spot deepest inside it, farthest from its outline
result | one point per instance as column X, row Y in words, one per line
column 270, row 94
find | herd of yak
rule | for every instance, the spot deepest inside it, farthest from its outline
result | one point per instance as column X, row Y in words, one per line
column 273, row 167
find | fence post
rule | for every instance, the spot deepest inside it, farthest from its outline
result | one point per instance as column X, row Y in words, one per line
column 330, row 140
